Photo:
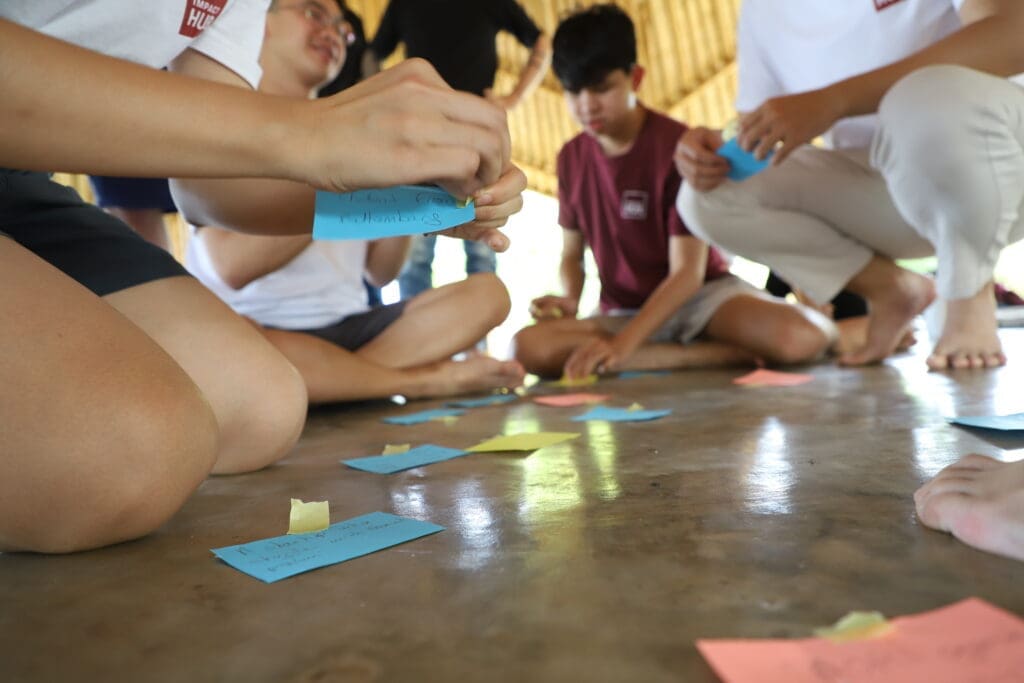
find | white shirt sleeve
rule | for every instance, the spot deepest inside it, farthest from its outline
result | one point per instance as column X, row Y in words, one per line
column 757, row 81
column 235, row 38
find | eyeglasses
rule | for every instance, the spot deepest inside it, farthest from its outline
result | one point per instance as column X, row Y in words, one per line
column 315, row 13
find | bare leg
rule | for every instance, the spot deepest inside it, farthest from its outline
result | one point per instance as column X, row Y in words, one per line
column 257, row 396
column 149, row 223
column 332, row 373
column 440, row 322
column 776, row 331
column 102, row 435
column 969, row 335
column 895, row 297
column 979, row 500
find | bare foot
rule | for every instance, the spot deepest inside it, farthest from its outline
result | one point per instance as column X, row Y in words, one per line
column 970, row 337
column 479, row 373
column 979, row 500
column 895, row 296
column 853, row 335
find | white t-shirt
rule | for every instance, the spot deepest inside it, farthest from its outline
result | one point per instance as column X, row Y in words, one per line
column 791, row 46
column 153, row 32
column 317, row 288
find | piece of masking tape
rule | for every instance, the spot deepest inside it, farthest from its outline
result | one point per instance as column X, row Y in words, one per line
column 308, row 517
column 855, row 626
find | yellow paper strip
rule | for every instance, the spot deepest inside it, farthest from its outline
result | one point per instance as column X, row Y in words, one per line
column 394, row 449
column 855, row 626
column 307, row 517
column 522, row 442
column 581, row 382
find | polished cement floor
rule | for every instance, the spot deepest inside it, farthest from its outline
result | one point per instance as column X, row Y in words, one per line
column 749, row 512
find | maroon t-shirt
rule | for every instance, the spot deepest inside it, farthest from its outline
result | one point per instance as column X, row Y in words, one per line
column 625, row 207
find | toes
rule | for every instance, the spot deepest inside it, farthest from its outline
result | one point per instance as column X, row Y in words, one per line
column 938, row 361
column 994, row 360
column 974, row 462
column 942, row 510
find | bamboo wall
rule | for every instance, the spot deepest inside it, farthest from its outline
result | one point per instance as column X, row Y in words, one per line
column 687, row 46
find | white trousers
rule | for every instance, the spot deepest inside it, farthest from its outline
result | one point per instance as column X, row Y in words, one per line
column 944, row 176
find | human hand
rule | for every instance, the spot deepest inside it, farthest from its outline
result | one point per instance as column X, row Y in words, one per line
column 402, row 126
column 550, row 307
column 506, row 102
column 494, row 205
column 785, row 123
column 697, row 160
column 598, row 356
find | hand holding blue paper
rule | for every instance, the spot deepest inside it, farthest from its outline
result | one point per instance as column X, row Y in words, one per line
column 389, row 212
column 742, row 164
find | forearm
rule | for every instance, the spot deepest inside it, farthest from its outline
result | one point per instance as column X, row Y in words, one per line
column 159, row 124
column 572, row 276
column 990, row 44
column 239, row 259
column 385, row 258
column 662, row 304
column 254, row 205
column 533, row 73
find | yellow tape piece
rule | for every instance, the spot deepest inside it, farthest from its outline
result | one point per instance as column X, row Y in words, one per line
column 394, row 449
column 307, row 517
column 855, row 626
column 635, row 407
column 581, row 382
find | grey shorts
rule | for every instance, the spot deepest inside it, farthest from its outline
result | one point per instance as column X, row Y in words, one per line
column 81, row 240
column 358, row 330
column 690, row 320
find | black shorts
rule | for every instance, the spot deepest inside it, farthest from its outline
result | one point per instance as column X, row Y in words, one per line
column 132, row 193
column 358, row 330
column 81, row 240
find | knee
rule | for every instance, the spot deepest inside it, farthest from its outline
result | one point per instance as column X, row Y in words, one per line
column 118, row 489
column 799, row 341
column 266, row 417
column 532, row 348
column 490, row 291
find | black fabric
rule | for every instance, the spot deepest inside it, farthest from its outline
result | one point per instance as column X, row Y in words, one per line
column 358, row 330
column 351, row 73
column 132, row 193
column 845, row 305
column 87, row 244
column 456, row 36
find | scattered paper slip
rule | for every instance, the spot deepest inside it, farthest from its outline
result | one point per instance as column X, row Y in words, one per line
column 637, row 374
column 742, row 164
column 483, row 402
column 389, row 212
column 620, row 415
column 968, row 641
column 1006, row 423
column 424, row 416
column 394, row 449
column 771, row 378
column 307, row 517
column 415, row 457
column 569, row 400
column 855, row 626
column 569, row 382
column 522, row 442
column 278, row 558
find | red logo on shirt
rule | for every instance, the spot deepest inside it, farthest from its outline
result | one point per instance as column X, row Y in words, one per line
column 882, row 4
column 198, row 15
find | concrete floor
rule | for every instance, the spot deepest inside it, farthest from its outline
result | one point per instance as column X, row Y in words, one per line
column 747, row 513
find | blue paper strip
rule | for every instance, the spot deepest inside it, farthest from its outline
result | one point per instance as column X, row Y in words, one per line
column 742, row 164
column 620, row 415
column 421, row 417
column 636, row 374
column 278, row 558
column 483, row 402
column 390, row 212
column 1006, row 423
column 414, row 457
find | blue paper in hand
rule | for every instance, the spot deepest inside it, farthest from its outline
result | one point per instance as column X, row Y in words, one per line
column 421, row 417
column 742, row 164
column 483, row 402
column 391, row 212
column 1006, row 423
column 620, row 415
column 278, row 558
column 415, row 457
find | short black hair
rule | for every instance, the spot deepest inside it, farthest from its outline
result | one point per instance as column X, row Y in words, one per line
column 592, row 43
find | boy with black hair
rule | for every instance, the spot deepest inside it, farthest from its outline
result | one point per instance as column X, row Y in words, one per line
column 667, row 299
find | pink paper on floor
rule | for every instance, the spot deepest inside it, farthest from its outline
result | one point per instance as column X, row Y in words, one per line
column 566, row 400
column 968, row 641
column 770, row 378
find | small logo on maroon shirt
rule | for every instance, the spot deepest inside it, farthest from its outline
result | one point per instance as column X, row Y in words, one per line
column 633, row 206
column 198, row 15
column 882, row 4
